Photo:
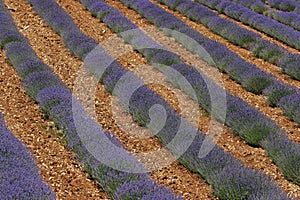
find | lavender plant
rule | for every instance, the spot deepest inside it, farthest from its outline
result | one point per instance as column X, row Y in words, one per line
column 290, row 65
column 142, row 190
column 288, row 5
column 19, row 173
column 290, row 105
column 18, row 52
column 275, row 143
column 277, row 91
column 255, row 5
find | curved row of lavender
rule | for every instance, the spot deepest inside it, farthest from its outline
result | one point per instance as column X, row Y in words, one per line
column 57, row 102
column 247, row 122
column 262, row 23
column 261, row 48
column 220, row 169
column 19, row 174
column 289, row 18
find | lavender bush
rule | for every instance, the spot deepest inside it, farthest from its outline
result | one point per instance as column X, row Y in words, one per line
column 290, row 105
column 274, row 144
column 290, row 65
column 19, row 173
column 36, row 81
column 288, row 18
column 255, row 5
column 277, row 91
column 18, row 52
column 230, row 185
column 287, row 5
column 249, row 123
column 142, row 190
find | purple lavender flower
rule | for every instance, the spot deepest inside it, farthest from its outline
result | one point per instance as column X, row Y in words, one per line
column 285, row 153
column 268, row 51
column 290, row 106
column 256, row 81
column 251, row 125
column 288, row 5
column 19, row 52
column 36, row 81
column 183, row 7
column 52, row 96
column 146, row 190
column 173, row 3
column 31, row 65
column 118, row 23
column 277, row 91
column 112, row 75
column 290, row 65
column 165, row 58
column 19, row 173
column 249, row 184
column 99, row 9
column 88, row 3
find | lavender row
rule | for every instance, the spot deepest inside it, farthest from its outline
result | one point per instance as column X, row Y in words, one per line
column 254, row 126
column 286, row 5
column 176, row 131
column 251, row 78
column 262, row 23
column 81, row 131
column 288, row 18
column 236, row 34
column 19, row 174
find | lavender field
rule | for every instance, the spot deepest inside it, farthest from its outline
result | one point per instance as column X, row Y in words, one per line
column 139, row 99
